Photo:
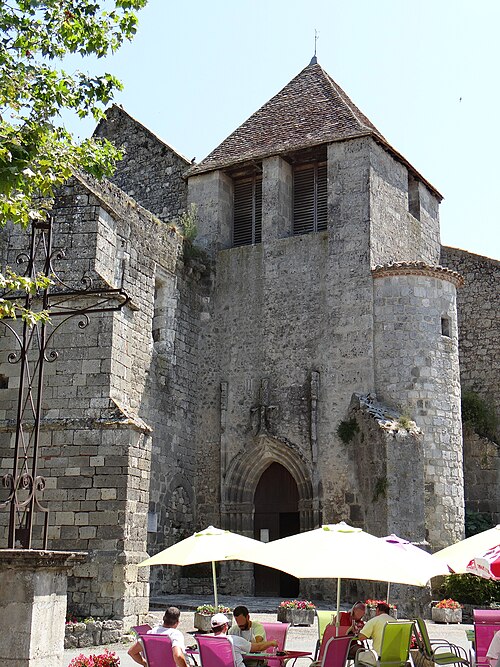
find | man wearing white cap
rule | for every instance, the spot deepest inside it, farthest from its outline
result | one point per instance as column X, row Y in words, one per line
column 220, row 624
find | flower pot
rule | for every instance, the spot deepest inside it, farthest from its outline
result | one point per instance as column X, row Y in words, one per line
column 446, row 615
column 203, row 622
column 370, row 613
column 296, row 616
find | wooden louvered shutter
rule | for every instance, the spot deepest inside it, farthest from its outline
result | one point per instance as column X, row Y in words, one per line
column 310, row 197
column 247, row 221
column 303, row 201
column 321, row 198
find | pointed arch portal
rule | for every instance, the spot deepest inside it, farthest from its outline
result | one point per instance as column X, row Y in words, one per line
column 268, row 487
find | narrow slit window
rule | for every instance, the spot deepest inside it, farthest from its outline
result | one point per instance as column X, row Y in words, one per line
column 310, row 198
column 247, row 221
column 445, row 327
column 413, row 196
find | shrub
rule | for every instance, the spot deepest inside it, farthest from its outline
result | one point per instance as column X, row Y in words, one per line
column 476, row 522
column 347, row 429
column 479, row 415
column 469, row 589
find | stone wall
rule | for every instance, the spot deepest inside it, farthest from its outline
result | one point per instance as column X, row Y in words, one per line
column 388, row 460
column 396, row 235
column 417, row 370
column 479, row 336
column 151, row 170
column 482, row 476
column 95, row 442
column 170, row 400
column 478, row 322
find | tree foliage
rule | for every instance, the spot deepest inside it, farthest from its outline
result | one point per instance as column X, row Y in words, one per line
column 37, row 154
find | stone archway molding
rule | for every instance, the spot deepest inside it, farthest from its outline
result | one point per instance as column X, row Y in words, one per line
column 243, row 475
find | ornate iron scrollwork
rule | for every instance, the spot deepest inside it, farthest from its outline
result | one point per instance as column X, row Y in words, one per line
column 63, row 303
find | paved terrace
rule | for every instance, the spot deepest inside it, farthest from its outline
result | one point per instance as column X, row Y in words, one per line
column 262, row 609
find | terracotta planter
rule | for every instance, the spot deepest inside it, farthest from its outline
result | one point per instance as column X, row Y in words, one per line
column 202, row 622
column 446, row 615
column 296, row 616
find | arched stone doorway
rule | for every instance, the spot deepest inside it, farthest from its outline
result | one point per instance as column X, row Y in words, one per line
column 276, row 515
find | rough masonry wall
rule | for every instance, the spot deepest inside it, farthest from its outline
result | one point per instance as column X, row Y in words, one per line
column 417, row 371
column 291, row 317
column 396, row 235
column 151, row 171
column 478, row 322
column 171, row 398
column 479, row 352
column 389, row 464
column 96, row 444
column 481, row 476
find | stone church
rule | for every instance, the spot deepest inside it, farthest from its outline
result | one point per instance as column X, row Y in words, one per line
column 300, row 361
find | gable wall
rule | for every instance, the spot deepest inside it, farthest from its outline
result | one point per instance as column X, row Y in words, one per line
column 151, row 171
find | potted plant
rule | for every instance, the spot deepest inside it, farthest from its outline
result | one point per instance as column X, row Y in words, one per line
column 106, row 659
column 447, row 611
column 371, row 607
column 296, row 612
column 203, row 616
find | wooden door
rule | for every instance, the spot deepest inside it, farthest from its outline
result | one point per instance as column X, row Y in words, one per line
column 276, row 515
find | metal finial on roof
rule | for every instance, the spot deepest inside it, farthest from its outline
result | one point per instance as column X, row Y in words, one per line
column 314, row 60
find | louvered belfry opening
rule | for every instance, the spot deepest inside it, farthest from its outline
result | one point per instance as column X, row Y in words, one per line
column 247, row 221
column 310, row 196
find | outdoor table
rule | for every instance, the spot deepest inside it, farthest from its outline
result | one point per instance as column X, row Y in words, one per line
column 284, row 659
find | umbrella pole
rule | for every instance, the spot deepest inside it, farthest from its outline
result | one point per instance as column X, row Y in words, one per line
column 214, row 577
column 388, row 591
column 337, row 620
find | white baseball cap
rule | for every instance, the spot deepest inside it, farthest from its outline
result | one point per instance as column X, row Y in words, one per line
column 219, row 619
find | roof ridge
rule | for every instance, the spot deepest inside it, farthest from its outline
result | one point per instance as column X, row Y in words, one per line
column 360, row 116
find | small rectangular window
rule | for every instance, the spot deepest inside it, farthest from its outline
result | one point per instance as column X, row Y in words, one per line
column 413, row 196
column 445, row 327
column 310, row 198
column 247, row 220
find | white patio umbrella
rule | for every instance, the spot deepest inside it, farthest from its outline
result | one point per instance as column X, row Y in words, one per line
column 338, row 551
column 209, row 545
column 430, row 566
column 459, row 555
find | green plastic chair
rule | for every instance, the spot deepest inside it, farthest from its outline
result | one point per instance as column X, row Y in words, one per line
column 324, row 618
column 395, row 648
column 439, row 651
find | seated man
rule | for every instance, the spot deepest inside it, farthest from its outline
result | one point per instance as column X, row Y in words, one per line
column 353, row 621
column 493, row 652
column 253, row 631
column 171, row 619
column 220, row 624
column 374, row 629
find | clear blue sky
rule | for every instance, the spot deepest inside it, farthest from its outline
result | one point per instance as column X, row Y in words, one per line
column 426, row 73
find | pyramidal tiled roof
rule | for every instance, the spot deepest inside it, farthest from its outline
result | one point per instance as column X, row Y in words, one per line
column 310, row 110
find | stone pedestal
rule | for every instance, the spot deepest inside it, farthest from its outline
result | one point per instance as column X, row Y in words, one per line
column 33, row 587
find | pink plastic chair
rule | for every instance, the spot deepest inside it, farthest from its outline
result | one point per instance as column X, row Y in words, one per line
column 336, row 651
column 157, row 650
column 331, row 631
column 215, row 651
column 486, row 623
column 277, row 631
column 141, row 629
